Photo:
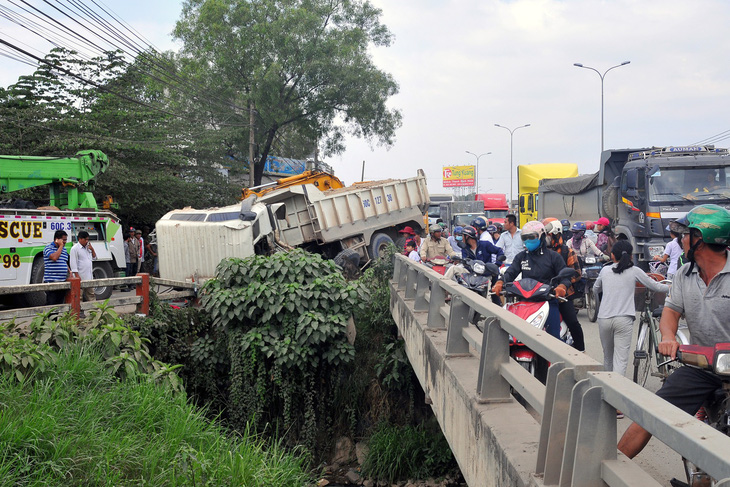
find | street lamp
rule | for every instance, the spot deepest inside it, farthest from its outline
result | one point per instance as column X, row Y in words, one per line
column 478, row 156
column 511, row 132
column 602, row 76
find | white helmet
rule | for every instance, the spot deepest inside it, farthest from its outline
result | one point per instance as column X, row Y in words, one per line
column 553, row 227
column 533, row 227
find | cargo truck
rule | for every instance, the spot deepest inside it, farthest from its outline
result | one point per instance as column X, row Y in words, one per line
column 460, row 213
column 434, row 207
column 528, row 179
column 357, row 222
column 640, row 191
column 495, row 206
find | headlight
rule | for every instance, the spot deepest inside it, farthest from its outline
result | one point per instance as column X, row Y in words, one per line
column 479, row 267
column 722, row 363
column 590, row 260
column 537, row 320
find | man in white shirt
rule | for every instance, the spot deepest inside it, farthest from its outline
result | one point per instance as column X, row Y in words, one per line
column 81, row 260
column 511, row 239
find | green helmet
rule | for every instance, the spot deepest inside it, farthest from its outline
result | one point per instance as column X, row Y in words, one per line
column 712, row 221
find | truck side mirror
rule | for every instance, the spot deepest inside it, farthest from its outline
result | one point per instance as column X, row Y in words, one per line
column 522, row 204
column 632, row 179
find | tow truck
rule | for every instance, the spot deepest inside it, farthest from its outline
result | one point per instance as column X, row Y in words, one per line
column 26, row 230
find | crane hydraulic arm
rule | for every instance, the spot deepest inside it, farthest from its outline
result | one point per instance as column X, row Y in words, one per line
column 63, row 174
column 321, row 180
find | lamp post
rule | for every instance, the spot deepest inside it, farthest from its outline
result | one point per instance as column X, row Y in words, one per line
column 478, row 156
column 511, row 132
column 579, row 65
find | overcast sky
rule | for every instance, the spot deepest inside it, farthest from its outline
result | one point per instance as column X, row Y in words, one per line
column 464, row 65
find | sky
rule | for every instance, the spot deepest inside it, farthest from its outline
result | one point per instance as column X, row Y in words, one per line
column 465, row 65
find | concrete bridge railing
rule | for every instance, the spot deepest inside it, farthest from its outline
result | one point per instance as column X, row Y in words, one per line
column 570, row 437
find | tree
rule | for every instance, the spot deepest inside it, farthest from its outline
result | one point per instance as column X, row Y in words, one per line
column 301, row 65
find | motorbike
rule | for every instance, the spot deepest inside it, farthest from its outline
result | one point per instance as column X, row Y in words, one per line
column 439, row 264
column 528, row 299
column 590, row 268
column 716, row 411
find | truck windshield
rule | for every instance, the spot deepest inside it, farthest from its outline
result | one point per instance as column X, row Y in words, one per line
column 464, row 219
column 495, row 213
column 434, row 211
column 689, row 184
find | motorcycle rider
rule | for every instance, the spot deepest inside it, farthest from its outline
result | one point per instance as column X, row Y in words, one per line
column 480, row 223
column 606, row 238
column 567, row 234
column 478, row 249
column 456, row 238
column 434, row 245
column 699, row 292
column 554, row 241
column 584, row 247
column 539, row 263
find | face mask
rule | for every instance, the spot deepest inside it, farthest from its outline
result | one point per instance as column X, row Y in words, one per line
column 458, row 238
column 532, row 245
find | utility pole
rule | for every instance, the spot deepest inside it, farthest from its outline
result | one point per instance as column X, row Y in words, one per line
column 251, row 144
column 362, row 177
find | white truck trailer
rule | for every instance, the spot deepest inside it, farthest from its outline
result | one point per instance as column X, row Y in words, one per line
column 359, row 220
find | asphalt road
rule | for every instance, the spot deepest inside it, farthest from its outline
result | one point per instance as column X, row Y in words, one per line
column 657, row 459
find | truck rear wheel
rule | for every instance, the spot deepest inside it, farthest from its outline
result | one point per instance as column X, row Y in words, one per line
column 609, row 202
column 378, row 245
column 349, row 260
column 103, row 270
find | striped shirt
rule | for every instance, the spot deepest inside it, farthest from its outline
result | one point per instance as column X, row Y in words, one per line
column 54, row 270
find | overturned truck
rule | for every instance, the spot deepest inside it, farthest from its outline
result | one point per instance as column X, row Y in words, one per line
column 355, row 223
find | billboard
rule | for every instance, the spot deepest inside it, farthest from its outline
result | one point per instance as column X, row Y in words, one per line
column 458, row 176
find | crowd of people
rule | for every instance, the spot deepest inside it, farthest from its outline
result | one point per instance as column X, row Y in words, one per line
column 699, row 271
column 79, row 261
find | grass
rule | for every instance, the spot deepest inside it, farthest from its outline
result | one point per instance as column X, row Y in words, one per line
column 407, row 452
column 77, row 425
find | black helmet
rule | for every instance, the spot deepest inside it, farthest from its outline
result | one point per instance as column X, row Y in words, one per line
column 470, row 232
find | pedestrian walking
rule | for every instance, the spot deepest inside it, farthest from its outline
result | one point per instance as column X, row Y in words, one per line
column 617, row 312
column 55, row 266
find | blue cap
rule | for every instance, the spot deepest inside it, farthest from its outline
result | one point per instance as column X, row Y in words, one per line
column 458, row 229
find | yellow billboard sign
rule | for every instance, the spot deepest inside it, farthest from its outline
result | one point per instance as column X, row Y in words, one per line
column 459, row 176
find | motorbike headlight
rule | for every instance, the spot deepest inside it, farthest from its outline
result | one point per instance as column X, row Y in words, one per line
column 590, row 260
column 537, row 320
column 722, row 363
column 479, row 267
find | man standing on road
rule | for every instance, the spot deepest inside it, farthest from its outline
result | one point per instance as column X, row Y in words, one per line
column 140, row 251
column 133, row 253
column 700, row 292
column 82, row 263
column 55, row 266
column 511, row 239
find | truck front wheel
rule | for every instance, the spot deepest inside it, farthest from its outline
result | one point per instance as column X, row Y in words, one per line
column 103, row 270
column 378, row 245
column 36, row 277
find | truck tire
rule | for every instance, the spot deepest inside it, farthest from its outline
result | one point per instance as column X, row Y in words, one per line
column 378, row 244
column 103, row 270
column 349, row 261
column 36, row 277
column 609, row 202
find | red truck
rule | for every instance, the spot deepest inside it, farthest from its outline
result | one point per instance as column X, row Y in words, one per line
column 495, row 206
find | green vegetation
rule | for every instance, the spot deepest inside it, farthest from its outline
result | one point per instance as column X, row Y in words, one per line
column 91, row 408
column 403, row 452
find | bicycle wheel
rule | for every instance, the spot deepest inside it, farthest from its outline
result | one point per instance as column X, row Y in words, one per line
column 591, row 306
column 643, row 353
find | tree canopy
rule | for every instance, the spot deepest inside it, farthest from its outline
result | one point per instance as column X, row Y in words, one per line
column 302, row 65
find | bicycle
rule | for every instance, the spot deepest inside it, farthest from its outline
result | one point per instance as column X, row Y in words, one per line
column 647, row 359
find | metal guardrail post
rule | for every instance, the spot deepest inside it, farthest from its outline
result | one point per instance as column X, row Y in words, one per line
column 73, row 296
column 456, row 344
column 411, row 278
column 491, row 386
column 596, row 439
column 143, row 290
column 422, row 283
column 438, row 298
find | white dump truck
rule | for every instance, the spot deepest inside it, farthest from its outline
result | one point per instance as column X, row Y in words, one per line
column 355, row 222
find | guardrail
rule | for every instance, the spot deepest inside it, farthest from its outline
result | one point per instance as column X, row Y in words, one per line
column 73, row 300
column 577, row 406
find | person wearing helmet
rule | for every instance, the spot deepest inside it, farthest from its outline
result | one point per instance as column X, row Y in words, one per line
column 444, row 231
column 554, row 241
column 583, row 246
column 700, row 291
column 473, row 248
column 567, row 233
column 434, row 245
column 481, row 224
column 606, row 238
column 539, row 263
column 511, row 239
column 494, row 232
column 456, row 238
